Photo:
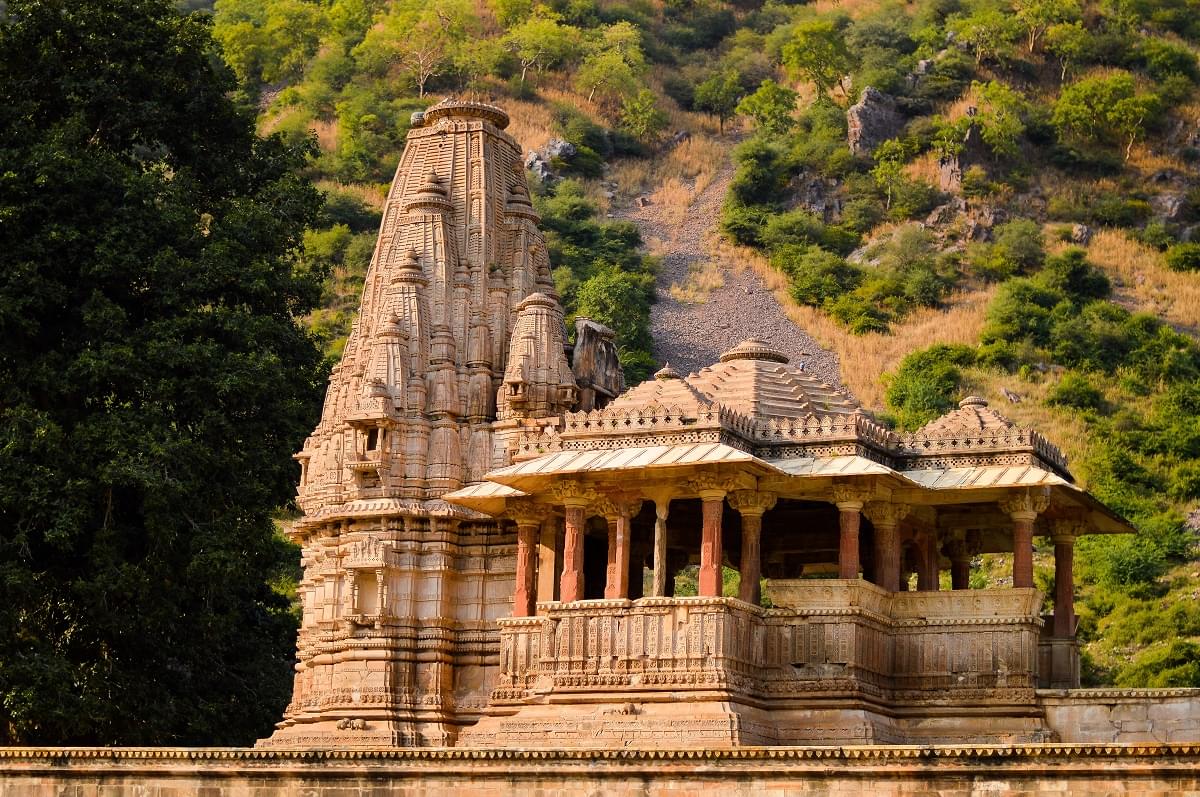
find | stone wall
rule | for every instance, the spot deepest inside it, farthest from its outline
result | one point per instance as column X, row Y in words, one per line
column 880, row 771
column 1123, row 715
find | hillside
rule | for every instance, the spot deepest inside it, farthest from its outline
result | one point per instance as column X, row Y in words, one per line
column 947, row 196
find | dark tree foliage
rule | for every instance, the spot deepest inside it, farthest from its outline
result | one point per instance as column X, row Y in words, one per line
column 153, row 382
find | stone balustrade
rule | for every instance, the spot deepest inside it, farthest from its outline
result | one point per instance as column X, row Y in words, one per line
column 836, row 639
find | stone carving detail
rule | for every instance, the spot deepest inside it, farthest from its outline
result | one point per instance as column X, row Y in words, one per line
column 1026, row 505
column 752, row 502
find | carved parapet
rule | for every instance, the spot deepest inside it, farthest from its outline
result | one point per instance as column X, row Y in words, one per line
column 972, row 444
column 752, row 502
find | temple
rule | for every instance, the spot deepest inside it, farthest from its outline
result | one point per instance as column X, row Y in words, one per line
column 494, row 528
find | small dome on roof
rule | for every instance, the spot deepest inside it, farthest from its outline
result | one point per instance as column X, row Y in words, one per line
column 667, row 372
column 536, row 299
column 754, row 349
column 972, row 401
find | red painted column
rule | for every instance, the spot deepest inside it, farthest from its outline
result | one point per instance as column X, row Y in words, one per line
column 713, row 503
column 1022, row 550
column 927, row 572
column 960, row 573
column 885, row 517
column 1064, row 585
column 527, row 538
column 849, row 521
column 751, row 564
column 570, row 587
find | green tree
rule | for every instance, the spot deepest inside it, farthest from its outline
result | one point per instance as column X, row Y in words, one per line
column 268, row 40
column 719, row 95
column 1002, row 112
column 614, row 65
column 153, row 382
column 418, row 38
column 890, row 157
column 989, row 31
column 770, row 106
column 1106, row 107
column 620, row 300
column 541, row 42
column 817, row 51
column 1037, row 16
column 641, row 116
column 1068, row 42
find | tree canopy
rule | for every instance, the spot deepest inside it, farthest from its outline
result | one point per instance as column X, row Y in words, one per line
column 153, row 382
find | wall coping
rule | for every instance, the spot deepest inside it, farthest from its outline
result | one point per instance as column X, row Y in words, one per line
column 66, row 756
column 1103, row 694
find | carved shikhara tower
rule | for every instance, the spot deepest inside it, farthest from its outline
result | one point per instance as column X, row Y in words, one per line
column 458, row 348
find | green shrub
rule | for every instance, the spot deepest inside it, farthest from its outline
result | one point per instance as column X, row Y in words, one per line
column 1175, row 665
column 1183, row 257
column 743, row 224
column 927, row 383
column 816, row 276
column 1074, row 390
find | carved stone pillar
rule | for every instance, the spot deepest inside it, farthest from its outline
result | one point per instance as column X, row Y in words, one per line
column 1065, row 533
column 960, row 565
column 528, row 517
column 927, row 566
column 662, row 507
column 712, row 498
column 524, row 596
column 616, row 584
column 751, row 504
column 574, row 498
column 850, row 502
column 547, row 553
column 1024, row 508
column 571, row 586
column 885, row 517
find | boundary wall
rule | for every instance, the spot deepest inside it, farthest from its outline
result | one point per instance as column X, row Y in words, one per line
column 953, row 771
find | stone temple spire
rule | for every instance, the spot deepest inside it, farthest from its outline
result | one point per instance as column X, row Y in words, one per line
column 458, row 310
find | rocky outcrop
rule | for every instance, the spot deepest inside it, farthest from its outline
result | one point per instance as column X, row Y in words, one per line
column 871, row 121
column 973, row 152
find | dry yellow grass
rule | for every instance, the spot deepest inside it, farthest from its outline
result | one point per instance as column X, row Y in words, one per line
column 1147, row 161
column 373, row 195
column 674, row 180
column 327, row 134
column 702, row 279
column 864, row 358
column 532, row 124
column 925, row 170
column 1142, row 280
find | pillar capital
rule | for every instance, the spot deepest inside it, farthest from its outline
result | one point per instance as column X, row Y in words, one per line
column 1026, row 504
column 752, row 502
column 710, row 486
column 572, row 493
column 1064, row 531
column 526, row 512
column 885, row 513
column 850, row 498
column 625, row 504
column 604, row 507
